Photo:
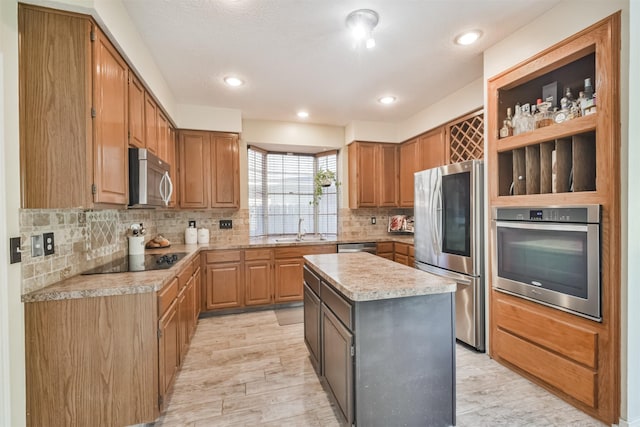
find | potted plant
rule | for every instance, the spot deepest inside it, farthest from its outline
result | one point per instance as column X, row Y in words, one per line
column 322, row 178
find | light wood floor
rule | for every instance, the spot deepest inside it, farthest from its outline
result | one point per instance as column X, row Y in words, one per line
column 247, row 370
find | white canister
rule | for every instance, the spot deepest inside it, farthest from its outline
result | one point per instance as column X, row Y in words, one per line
column 136, row 245
column 203, row 236
column 191, row 236
column 136, row 262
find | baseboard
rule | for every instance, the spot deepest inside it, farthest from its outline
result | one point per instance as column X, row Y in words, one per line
column 625, row 423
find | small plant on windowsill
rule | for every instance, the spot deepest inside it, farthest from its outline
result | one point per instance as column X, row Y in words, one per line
column 322, row 178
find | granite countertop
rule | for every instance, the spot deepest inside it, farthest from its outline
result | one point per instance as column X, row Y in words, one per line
column 362, row 276
column 99, row 285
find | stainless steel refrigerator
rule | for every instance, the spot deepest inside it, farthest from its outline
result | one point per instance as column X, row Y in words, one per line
column 449, row 230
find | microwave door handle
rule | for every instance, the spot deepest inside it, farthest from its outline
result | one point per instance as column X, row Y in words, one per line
column 170, row 192
column 161, row 189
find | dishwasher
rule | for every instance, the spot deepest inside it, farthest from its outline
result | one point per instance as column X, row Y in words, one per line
column 358, row 247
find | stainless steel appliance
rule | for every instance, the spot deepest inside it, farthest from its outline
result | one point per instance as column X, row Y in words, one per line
column 550, row 255
column 449, row 239
column 149, row 180
column 358, row 247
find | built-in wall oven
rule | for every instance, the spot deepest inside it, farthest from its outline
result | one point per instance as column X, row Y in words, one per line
column 550, row 255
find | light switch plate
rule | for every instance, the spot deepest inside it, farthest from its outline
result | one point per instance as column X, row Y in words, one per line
column 15, row 254
column 226, row 224
column 37, row 248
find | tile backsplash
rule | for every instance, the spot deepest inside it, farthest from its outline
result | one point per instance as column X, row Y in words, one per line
column 86, row 239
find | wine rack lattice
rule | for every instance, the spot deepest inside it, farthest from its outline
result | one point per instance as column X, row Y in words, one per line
column 466, row 138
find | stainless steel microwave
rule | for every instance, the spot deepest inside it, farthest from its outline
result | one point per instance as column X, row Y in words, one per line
column 550, row 255
column 149, row 179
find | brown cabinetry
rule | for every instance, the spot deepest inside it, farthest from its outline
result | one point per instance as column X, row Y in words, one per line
column 209, row 173
column 401, row 253
column 136, row 112
column 68, row 158
column 373, row 174
column 163, row 136
column 385, row 250
column 258, row 276
column 150, row 123
column 575, row 162
column 168, row 339
column 289, row 267
column 223, row 273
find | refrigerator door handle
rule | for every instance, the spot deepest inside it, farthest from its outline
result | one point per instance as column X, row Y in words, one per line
column 437, row 214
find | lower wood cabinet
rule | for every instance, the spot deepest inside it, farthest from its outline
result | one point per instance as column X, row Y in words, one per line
column 168, row 351
column 224, row 284
column 401, row 253
column 258, row 277
column 255, row 277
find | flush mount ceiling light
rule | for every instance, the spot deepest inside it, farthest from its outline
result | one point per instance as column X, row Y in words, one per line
column 468, row 37
column 303, row 114
column 386, row 100
column 233, row 81
column 361, row 22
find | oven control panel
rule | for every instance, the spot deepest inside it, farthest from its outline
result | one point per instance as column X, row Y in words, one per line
column 585, row 214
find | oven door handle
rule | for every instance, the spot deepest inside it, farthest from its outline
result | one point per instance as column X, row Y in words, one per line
column 543, row 226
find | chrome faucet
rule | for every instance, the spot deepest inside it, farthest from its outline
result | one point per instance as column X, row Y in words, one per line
column 300, row 229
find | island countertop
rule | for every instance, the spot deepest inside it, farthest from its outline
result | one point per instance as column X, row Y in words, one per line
column 363, row 276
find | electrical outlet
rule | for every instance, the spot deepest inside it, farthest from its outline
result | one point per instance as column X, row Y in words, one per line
column 49, row 244
column 373, row 220
column 192, row 223
column 37, row 248
column 226, row 224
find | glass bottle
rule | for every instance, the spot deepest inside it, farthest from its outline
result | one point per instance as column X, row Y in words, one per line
column 528, row 121
column 564, row 113
column 544, row 115
column 507, row 128
column 517, row 120
column 588, row 89
column 581, row 103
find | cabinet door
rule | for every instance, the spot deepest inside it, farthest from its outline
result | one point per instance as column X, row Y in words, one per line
column 401, row 259
column 162, row 136
column 408, row 166
column 225, row 171
column 289, row 279
column 168, row 349
column 172, row 160
column 362, row 175
column 194, row 169
column 433, row 149
column 224, row 282
column 183, row 323
column 337, row 362
column 312, row 326
column 110, row 145
column 197, row 285
column 136, row 112
column 388, row 174
column 257, row 282
column 150, row 123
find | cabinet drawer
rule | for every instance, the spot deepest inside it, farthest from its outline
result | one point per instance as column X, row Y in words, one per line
column 412, row 251
column 312, row 280
column 571, row 341
column 401, row 248
column 299, row 251
column 384, row 247
column 184, row 276
column 338, row 305
column 166, row 296
column 571, row 378
column 195, row 264
column 222, row 256
column 257, row 254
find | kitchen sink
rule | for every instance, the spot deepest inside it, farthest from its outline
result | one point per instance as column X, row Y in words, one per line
column 302, row 240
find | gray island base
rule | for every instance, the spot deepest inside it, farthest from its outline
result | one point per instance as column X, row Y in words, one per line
column 381, row 336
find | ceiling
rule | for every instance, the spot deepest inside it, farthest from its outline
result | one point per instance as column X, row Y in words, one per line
column 298, row 54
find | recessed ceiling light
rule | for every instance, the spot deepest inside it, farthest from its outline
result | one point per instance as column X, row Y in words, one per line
column 468, row 38
column 303, row 114
column 233, row 81
column 387, row 100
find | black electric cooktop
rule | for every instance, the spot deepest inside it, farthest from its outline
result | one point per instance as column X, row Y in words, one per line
column 139, row 263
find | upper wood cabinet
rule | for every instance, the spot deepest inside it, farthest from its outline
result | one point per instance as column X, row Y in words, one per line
column 162, row 134
column 150, row 123
column 409, row 164
column 136, row 112
column 209, row 174
column 432, row 146
column 373, row 174
column 172, row 159
column 110, row 124
column 69, row 159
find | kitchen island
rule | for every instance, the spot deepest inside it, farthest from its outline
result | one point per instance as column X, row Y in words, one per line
column 381, row 336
